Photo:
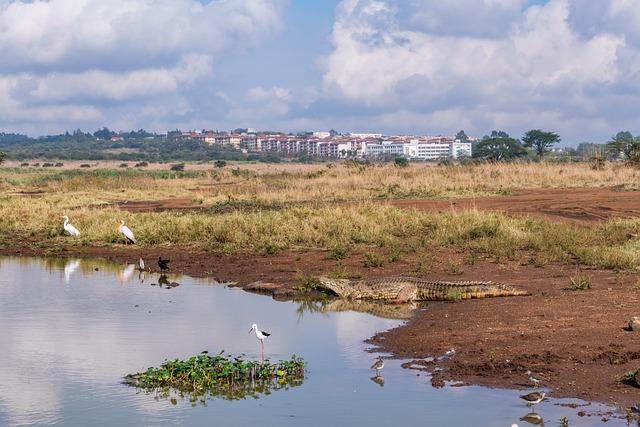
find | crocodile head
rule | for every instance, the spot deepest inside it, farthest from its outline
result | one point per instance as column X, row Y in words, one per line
column 340, row 287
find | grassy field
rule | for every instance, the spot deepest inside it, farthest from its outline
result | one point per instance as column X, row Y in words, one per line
column 271, row 208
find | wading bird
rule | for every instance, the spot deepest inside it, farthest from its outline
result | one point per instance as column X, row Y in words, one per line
column 533, row 398
column 126, row 232
column 261, row 335
column 378, row 365
column 535, row 379
column 70, row 228
column 163, row 264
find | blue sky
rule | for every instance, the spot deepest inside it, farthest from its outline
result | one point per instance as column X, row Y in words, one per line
column 421, row 67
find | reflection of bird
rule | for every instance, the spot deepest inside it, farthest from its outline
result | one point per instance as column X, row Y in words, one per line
column 533, row 418
column 70, row 228
column 162, row 280
column 379, row 364
column 141, row 276
column 378, row 380
column 534, row 378
column 69, row 268
column 261, row 335
column 533, row 397
column 163, row 264
column 126, row 273
column 126, row 232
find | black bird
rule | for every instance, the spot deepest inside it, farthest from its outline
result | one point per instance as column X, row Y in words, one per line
column 163, row 264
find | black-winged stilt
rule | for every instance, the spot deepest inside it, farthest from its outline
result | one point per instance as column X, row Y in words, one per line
column 261, row 335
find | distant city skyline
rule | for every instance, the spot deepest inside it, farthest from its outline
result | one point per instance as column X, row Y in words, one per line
column 386, row 66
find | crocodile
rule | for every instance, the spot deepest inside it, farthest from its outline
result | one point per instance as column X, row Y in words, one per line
column 403, row 289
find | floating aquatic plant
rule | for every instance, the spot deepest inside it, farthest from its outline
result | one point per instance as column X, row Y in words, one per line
column 227, row 377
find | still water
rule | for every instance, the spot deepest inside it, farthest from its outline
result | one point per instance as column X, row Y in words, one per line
column 72, row 329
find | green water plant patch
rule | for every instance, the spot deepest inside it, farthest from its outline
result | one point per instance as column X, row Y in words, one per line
column 223, row 376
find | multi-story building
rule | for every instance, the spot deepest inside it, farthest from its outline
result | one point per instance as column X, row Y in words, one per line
column 360, row 145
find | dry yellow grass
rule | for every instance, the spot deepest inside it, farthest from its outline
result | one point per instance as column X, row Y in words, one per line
column 302, row 219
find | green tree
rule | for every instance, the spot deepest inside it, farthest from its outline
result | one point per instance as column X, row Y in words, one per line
column 627, row 145
column 499, row 149
column 462, row 136
column 540, row 141
column 401, row 162
column 3, row 156
column 497, row 134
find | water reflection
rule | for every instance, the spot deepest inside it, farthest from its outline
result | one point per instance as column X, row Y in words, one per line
column 378, row 380
column 533, row 418
column 377, row 309
column 71, row 329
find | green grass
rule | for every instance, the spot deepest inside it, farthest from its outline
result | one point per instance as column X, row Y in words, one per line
column 221, row 376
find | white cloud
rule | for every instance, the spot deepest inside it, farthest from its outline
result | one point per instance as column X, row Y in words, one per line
column 395, row 66
column 57, row 33
column 536, row 70
column 68, row 55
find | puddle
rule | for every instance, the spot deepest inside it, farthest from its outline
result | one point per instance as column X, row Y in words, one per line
column 72, row 329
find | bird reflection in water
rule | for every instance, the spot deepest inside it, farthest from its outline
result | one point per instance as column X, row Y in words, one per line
column 378, row 380
column 533, row 418
column 163, row 281
column 69, row 268
column 126, row 273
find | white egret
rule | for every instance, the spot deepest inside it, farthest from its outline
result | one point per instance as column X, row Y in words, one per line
column 70, row 228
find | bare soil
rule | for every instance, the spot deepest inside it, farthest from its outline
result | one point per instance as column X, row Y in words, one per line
column 577, row 340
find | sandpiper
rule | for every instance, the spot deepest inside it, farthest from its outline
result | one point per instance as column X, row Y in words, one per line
column 535, row 379
column 379, row 364
column 533, row 397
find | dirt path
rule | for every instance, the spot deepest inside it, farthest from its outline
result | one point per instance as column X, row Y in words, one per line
column 575, row 339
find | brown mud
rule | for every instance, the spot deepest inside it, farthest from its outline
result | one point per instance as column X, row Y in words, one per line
column 577, row 340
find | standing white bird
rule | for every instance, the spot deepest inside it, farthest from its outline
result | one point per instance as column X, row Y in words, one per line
column 261, row 335
column 126, row 232
column 70, row 228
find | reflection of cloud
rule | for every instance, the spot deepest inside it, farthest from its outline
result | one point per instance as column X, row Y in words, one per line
column 350, row 330
column 29, row 394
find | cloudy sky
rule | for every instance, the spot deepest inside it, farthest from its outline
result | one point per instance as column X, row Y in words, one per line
column 424, row 67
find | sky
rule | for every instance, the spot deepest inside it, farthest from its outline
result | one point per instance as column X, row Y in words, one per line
column 410, row 67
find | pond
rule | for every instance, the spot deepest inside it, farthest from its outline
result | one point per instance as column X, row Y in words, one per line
column 72, row 329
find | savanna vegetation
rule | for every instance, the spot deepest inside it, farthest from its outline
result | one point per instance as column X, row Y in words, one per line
column 332, row 207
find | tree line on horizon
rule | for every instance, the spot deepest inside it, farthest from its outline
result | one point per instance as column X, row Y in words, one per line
column 141, row 145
